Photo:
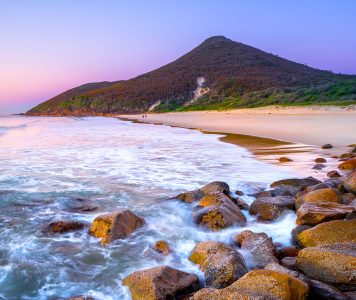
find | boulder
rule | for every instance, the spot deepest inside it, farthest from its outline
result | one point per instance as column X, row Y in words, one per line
column 297, row 182
column 290, row 263
column 241, row 204
column 162, row 247
column 317, row 289
column 115, row 225
column 333, row 174
column 289, row 251
column 348, row 165
column 326, row 146
column 319, row 196
column 218, row 213
column 214, row 187
column 259, row 246
column 64, row 226
column 347, row 198
column 347, row 155
column 280, row 190
column 350, row 183
column 333, row 264
column 333, row 232
column 259, row 284
column 320, row 160
column 160, row 283
column 269, row 208
column 318, row 186
column 221, row 264
column 284, row 159
column 315, row 213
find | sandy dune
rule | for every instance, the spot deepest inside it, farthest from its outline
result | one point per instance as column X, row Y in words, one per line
column 306, row 125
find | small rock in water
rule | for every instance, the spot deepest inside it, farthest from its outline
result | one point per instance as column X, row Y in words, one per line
column 115, row 225
column 162, row 247
column 327, row 146
column 284, row 159
column 239, row 193
column 82, row 298
column 64, row 226
column 333, row 174
column 319, row 167
column 320, row 160
column 160, row 283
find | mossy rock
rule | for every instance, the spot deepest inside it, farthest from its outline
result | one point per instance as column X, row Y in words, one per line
column 162, row 247
column 319, row 196
column 259, row 284
column 350, row 183
column 334, row 264
column 160, row 283
column 348, row 165
column 333, row 232
column 269, row 208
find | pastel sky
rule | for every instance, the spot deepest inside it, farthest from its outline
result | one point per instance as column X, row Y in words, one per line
column 47, row 47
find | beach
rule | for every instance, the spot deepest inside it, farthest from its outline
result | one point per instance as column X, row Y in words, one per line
column 312, row 125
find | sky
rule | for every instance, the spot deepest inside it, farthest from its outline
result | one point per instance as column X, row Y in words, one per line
column 47, row 47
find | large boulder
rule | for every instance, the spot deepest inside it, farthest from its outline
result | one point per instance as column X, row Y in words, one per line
column 317, row 289
column 333, row 264
column 319, row 196
column 350, row 183
column 115, row 225
column 315, row 213
column 160, row 283
column 348, row 165
column 297, row 182
column 217, row 211
column 259, row 246
column 221, row 264
column 63, row 226
column 333, row 232
column 259, row 284
column 269, row 208
column 214, row 187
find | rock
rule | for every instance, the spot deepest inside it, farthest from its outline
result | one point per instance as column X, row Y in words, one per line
column 214, row 187
column 215, row 199
column 218, row 216
column 327, row 146
column 116, row 225
column 290, row 263
column 259, row 284
column 284, row 159
column 162, row 247
column 348, row 165
column 333, row 232
column 350, row 183
column 221, row 264
column 297, row 182
column 315, row 213
column 320, row 160
column 353, row 150
column 241, row 204
column 333, row 264
column 64, row 226
column 333, row 174
column 296, row 231
column 319, row 196
column 347, row 155
column 318, row 186
column 160, row 283
column 281, row 190
column 259, row 245
column 319, row 167
column 317, row 289
column 82, row 298
column 239, row 193
column 289, row 251
column 269, row 208
column 191, row 196
column 347, row 198
column 351, row 295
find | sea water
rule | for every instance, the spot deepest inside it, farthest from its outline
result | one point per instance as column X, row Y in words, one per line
column 51, row 167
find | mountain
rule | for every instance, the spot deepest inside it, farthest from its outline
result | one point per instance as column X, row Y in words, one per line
column 216, row 69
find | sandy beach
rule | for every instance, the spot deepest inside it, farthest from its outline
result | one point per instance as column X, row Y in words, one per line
column 313, row 125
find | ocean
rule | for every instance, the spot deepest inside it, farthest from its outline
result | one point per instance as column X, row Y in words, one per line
column 50, row 167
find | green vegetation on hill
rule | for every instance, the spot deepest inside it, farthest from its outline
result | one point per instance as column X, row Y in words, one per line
column 229, row 97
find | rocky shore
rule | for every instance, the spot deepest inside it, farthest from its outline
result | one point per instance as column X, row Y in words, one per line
column 319, row 264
